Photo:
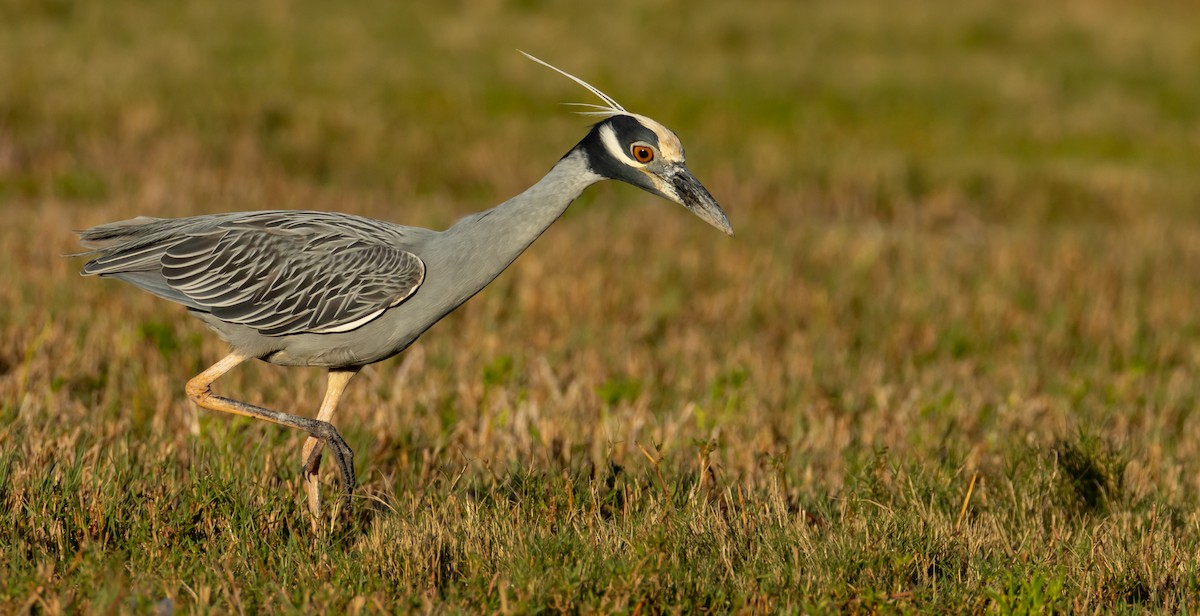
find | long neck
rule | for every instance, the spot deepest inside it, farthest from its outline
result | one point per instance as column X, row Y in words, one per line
column 480, row 246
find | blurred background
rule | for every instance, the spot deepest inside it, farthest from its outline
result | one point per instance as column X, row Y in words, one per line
column 982, row 212
column 968, row 234
column 942, row 112
column 988, row 207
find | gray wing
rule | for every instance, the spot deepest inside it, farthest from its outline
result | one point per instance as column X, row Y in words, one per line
column 282, row 273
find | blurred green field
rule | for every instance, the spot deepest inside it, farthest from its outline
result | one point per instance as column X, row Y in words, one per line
column 950, row 362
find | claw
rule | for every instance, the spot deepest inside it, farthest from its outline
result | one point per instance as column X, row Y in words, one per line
column 313, row 463
column 342, row 454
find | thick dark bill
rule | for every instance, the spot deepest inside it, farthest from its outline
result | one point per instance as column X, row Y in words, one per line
column 695, row 197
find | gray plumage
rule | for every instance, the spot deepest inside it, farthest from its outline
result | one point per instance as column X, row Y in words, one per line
column 302, row 288
column 276, row 272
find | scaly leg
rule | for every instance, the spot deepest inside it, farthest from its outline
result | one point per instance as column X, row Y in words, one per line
column 311, row 455
column 199, row 390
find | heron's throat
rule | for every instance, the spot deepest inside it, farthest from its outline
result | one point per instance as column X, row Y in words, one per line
column 482, row 245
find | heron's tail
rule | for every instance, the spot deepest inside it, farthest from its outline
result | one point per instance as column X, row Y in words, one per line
column 112, row 234
column 127, row 246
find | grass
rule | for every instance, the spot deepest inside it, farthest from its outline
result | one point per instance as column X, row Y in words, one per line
column 949, row 364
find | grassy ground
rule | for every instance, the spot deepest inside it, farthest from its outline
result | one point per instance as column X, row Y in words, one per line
column 950, row 362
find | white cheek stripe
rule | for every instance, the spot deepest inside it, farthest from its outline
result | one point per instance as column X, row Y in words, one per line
column 608, row 137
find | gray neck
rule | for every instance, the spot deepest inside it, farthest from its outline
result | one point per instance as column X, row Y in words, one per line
column 480, row 246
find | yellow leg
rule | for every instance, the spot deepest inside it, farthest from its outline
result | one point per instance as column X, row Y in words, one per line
column 199, row 390
column 311, row 455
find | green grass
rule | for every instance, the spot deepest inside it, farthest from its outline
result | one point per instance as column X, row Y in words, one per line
column 949, row 363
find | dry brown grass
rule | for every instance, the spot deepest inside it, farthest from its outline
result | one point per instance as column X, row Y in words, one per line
column 966, row 249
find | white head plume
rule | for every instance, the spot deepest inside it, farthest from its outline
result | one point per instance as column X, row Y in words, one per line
column 613, row 108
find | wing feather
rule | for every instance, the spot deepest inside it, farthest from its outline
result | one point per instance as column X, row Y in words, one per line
column 285, row 279
column 279, row 273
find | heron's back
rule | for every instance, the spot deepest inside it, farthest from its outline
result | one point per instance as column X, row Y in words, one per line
column 256, row 250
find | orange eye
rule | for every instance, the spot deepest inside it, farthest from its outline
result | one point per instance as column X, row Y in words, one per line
column 642, row 154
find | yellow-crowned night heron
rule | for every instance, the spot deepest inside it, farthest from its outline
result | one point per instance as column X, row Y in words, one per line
column 298, row 288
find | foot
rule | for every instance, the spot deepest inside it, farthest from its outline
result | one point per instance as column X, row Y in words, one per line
column 341, row 452
column 310, row 465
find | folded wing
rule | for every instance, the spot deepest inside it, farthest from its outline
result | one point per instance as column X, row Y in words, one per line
column 279, row 273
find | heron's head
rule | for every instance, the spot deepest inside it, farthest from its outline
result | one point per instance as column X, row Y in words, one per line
column 637, row 150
